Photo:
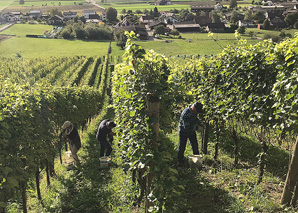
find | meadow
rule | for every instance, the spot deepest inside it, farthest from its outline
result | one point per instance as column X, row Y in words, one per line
column 42, row 47
column 30, row 3
column 200, row 43
column 24, row 29
column 78, row 6
column 133, row 6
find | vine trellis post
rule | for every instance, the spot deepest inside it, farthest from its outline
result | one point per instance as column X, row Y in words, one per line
column 290, row 187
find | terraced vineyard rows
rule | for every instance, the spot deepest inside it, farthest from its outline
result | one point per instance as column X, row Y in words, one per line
column 36, row 97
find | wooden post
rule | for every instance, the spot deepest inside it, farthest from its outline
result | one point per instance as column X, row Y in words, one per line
column 24, row 196
column 291, row 179
column 37, row 184
column 236, row 147
column 217, row 141
column 205, row 139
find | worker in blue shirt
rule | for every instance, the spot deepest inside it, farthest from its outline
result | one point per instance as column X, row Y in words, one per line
column 188, row 124
column 105, row 131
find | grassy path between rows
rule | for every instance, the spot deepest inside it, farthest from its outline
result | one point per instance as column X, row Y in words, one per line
column 218, row 188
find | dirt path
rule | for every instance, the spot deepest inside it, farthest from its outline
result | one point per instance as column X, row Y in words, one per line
column 95, row 4
column 5, row 27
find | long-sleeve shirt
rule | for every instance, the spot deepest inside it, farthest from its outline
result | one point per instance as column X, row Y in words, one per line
column 74, row 138
column 188, row 122
column 103, row 130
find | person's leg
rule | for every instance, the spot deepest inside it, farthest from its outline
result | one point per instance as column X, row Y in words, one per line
column 74, row 151
column 194, row 143
column 181, row 149
column 102, row 147
column 109, row 149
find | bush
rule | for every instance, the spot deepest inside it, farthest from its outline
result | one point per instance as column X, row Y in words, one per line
column 274, row 38
column 296, row 25
column 98, row 32
column 65, row 33
column 241, row 29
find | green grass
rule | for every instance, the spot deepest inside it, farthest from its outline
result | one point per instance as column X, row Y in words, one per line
column 24, row 29
column 201, row 44
column 35, row 48
column 120, row 6
column 261, row 33
column 29, row 3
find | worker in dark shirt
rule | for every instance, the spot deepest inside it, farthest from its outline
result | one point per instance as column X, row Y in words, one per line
column 188, row 124
column 105, row 131
column 70, row 133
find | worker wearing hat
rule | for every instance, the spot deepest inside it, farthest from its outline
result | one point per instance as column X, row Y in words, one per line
column 70, row 133
column 188, row 124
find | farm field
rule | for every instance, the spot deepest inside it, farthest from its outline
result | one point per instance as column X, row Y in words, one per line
column 24, row 29
column 120, row 6
column 4, row 7
column 183, row 47
column 30, row 3
column 42, row 47
column 200, row 43
column 39, row 47
column 261, row 33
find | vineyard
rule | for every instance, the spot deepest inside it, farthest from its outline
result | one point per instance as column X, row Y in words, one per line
column 249, row 94
column 37, row 96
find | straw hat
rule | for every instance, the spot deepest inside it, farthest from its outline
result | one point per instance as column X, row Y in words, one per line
column 67, row 127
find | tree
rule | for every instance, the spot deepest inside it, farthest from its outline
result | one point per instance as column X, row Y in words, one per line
column 266, row 24
column 175, row 32
column 234, row 17
column 259, row 16
column 54, row 12
column 111, row 14
column 91, row 31
column 248, row 15
column 155, row 12
column 241, row 29
column 120, row 38
column 83, row 19
column 79, row 31
column 138, row 11
column 22, row 2
column 183, row 13
column 66, row 33
column 214, row 16
column 291, row 19
column 251, row 34
column 160, row 30
column 233, row 4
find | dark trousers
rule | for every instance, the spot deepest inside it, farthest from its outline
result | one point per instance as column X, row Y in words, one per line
column 182, row 144
column 104, row 144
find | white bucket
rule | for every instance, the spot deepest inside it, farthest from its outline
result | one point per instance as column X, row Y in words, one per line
column 195, row 161
column 105, row 162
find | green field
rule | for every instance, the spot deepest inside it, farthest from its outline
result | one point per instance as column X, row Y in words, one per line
column 262, row 33
column 183, row 47
column 66, row 5
column 40, row 47
column 200, row 43
column 30, row 3
column 24, row 29
column 120, row 6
